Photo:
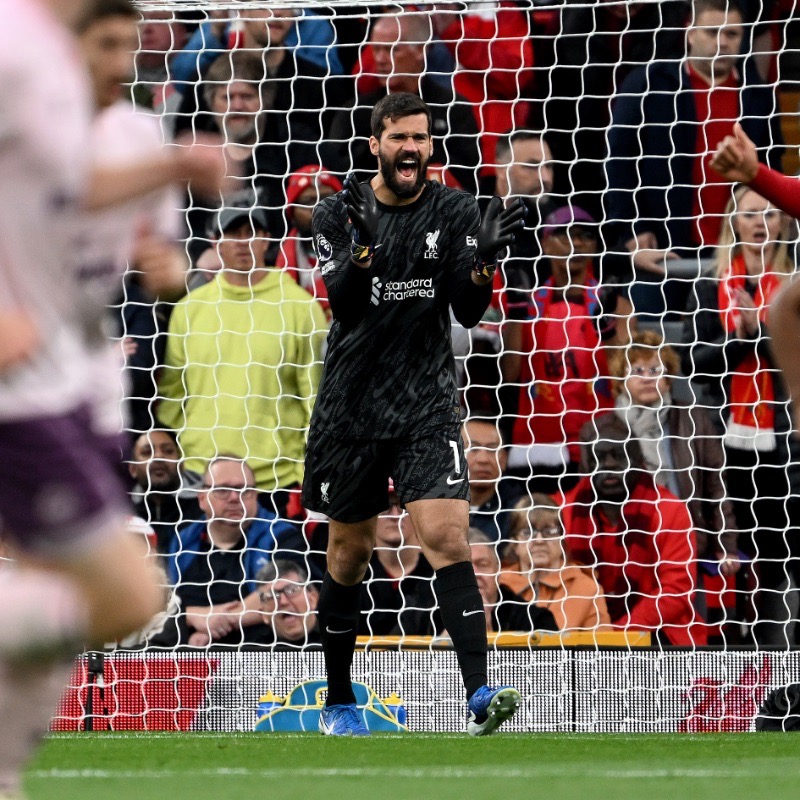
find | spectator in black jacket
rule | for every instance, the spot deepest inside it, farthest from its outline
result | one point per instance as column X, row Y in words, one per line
column 269, row 118
column 663, row 200
column 597, row 47
column 399, row 578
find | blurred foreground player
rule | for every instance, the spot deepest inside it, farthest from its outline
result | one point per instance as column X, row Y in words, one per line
column 78, row 578
column 141, row 231
column 396, row 254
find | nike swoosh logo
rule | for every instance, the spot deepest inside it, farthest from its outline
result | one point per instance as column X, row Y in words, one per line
column 349, row 630
column 451, row 482
column 470, row 613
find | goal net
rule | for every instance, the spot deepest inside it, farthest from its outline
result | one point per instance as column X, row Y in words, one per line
column 634, row 477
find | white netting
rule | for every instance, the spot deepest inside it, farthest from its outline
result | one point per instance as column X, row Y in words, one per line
column 623, row 313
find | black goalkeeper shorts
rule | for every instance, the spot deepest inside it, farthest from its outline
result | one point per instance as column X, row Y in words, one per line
column 348, row 480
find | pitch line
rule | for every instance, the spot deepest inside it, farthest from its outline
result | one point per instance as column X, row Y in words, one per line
column 427, row 773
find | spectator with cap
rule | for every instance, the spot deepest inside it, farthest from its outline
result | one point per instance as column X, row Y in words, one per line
column 243, row 359
column 306, row 188
column 555, row 352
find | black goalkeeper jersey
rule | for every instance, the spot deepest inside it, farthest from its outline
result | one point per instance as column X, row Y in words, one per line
column 389, row 370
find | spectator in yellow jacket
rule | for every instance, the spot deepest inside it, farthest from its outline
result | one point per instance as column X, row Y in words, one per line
column 244, row 359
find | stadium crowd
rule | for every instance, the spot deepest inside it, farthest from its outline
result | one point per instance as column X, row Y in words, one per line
column 629, row 441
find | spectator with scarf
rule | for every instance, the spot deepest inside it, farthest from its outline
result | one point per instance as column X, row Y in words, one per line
column 679, row 443
column 730, row 348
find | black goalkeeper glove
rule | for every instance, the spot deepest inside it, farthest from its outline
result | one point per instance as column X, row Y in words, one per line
column 496, row 233
column 364, row 215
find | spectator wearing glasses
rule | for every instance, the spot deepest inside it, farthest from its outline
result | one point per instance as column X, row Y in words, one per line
column 679, row 443
column 289, row 600
column 544, row 574
column 214, row 562
column 555, row 353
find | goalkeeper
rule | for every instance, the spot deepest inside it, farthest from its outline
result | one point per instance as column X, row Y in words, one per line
column 396, row 254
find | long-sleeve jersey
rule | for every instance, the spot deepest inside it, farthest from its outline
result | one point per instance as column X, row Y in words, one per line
column 389, row 370
column 781, row 190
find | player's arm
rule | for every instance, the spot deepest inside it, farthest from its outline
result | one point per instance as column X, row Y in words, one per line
column 477, row 245
column 736, row 159
column 200, row 166
column 345, row 256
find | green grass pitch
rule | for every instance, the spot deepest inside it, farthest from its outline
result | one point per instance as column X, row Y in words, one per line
column 430, row 766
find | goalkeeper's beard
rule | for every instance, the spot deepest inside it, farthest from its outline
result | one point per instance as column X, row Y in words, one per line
column 388, row 173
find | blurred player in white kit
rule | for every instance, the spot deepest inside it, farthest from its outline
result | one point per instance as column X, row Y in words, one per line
column 79, row 578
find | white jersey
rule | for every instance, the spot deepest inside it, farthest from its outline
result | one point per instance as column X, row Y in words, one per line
column 45, row 113
column 120, row 135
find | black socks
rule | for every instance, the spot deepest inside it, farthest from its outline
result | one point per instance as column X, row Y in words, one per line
column 461, row 607
column 339, row 612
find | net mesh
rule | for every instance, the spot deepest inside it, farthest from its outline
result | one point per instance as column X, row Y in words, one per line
column 623, row 367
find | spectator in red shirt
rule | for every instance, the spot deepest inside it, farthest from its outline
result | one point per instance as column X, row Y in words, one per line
column 636, row 535
column 554, row 353
column 306, row 188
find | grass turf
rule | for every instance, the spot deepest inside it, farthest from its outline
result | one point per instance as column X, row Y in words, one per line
column 431, row 766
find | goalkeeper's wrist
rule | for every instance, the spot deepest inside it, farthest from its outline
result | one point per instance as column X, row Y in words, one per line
column 483, row 268
column 361, row 254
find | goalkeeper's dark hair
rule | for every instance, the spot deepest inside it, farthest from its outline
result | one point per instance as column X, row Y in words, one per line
column 725, row 6
column 96, row 10
column 396, row 106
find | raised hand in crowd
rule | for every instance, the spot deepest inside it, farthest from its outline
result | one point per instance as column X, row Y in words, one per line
column 647, row 255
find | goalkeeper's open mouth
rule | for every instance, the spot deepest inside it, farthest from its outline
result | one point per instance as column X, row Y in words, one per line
column 407, row 168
